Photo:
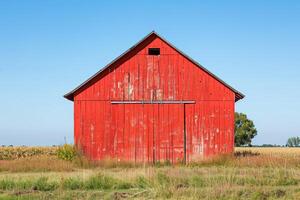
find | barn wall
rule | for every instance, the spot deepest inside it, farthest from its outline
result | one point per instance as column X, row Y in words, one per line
column 102, row 131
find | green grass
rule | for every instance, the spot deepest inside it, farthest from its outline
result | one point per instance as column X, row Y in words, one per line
column 168, row 182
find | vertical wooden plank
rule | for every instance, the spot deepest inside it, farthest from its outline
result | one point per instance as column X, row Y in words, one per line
column 198, row 151
column 218, row 125
column 139, row 78
column 216, row 128
column 170, row 78
column 206, row 128
column 202, row 125
column 133, row 130
column 211, row 128
column 191, row 136
column 177, row 132
column 233, row 124
column 184, row 134
column 126, row 79
column 77, row 114
column 222, row 141
column 144, row 77
column 120, row 84
column 166, row 139
column 97, row 132
column 164, row 76
column 113, row 84
column 163, row 139
column 177, row 77
column 180, row 77
column 121, row 132
column 114, row 133
column 187, row 79
column 127, row 145
column 141, row 134
column 133, row 70
column 227, row 128
column 87, row 129
column 172, row 114
column 151, row 137
column 149, row 80
column 106, row 80
column 91, row 128
column 156, row 79
column 156, row 135
column 107, row 135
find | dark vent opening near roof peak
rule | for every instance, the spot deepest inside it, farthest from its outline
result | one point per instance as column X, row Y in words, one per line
column 154, row 51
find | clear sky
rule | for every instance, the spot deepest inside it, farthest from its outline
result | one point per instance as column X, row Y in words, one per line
column 49, row 47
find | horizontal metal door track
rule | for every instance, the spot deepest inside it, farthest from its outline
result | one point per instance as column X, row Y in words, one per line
column 152, row 102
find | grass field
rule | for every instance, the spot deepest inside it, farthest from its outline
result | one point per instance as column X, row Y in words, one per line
column 254, row 173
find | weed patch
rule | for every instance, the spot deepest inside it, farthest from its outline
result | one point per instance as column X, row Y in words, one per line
column 42, row 184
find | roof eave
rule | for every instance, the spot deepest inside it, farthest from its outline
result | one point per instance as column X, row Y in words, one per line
column 238, row 96
column 69, row 96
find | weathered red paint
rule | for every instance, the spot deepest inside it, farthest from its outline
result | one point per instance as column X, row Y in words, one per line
column 145, row 132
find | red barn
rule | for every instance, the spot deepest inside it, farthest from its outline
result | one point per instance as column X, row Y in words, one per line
column 154, row 103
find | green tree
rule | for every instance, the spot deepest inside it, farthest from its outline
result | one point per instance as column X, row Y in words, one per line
column 245, row 130
column 293, row 142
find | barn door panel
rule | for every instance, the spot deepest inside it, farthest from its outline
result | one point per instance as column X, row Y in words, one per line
column 149, row 132
column 163, row 135
column 118, row 111
column 133, row 135
column 149, row 142
column 176, row 116
column 129, row 132
column 169, row 133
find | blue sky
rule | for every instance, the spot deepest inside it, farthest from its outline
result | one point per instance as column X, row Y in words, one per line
column 49, row 47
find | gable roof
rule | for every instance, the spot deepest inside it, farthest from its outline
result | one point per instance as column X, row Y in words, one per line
column 70, row 95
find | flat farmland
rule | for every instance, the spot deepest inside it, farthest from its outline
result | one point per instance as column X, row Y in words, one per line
column 252, row 173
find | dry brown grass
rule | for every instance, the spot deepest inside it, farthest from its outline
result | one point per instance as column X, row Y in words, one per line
column 36, row 164
column 268, row 157
column 272, row 151
column 247, row 157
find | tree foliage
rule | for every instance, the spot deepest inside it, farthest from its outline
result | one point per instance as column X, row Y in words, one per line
column 245, row 130
column 293, row 142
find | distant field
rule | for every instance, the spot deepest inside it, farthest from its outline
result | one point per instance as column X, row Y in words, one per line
column 254, row 173
column 275, row 151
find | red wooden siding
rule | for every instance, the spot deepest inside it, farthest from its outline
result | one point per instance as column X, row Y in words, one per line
column 154, row 132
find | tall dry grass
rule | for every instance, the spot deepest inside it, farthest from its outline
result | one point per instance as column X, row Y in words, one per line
column 272, row 151
column 243, row 157
column 36, row 164
column 267, row 157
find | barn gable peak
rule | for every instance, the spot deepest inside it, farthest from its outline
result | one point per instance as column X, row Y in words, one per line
column 151, row 36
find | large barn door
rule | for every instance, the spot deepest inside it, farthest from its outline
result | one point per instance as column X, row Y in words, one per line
column 176, row 122
column 168, row 133
column 150, row 132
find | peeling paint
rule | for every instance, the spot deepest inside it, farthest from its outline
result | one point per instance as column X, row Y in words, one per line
column 92, row 133
column 130, row 90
